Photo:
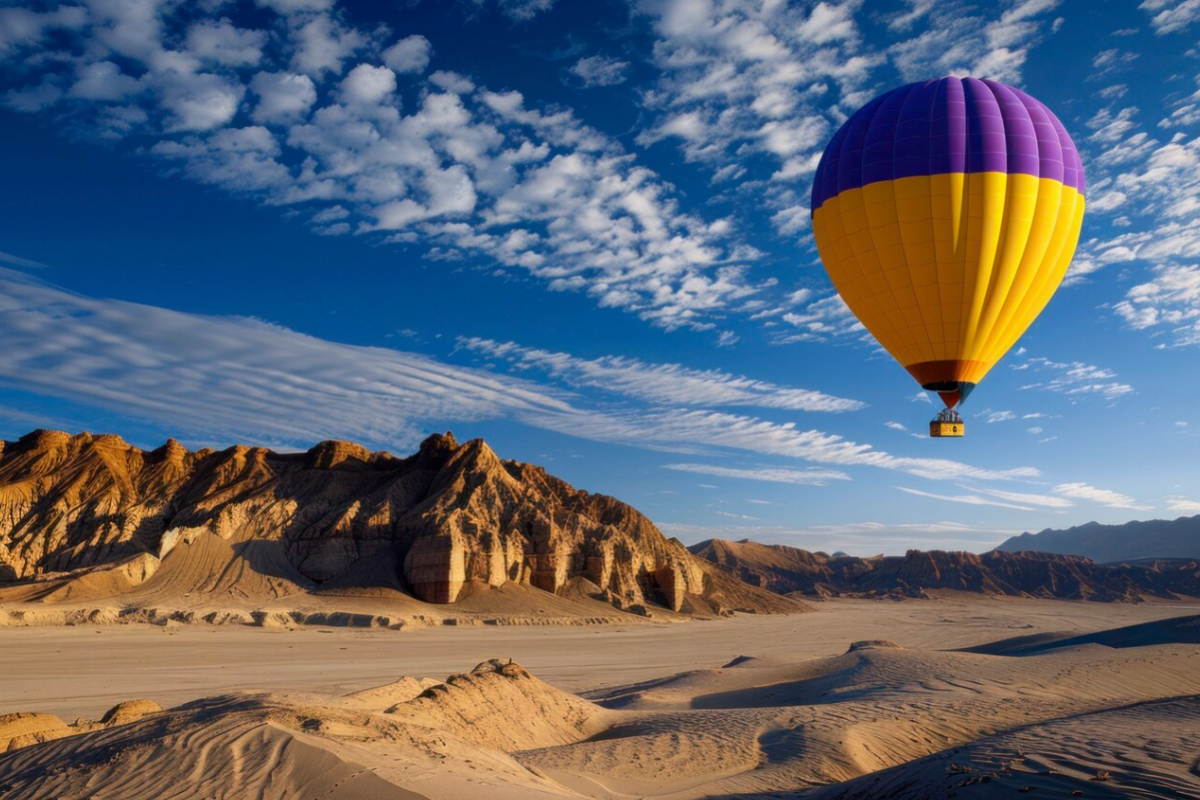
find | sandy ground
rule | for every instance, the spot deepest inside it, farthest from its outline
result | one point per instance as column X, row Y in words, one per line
column 959, row 697
column 83, row 670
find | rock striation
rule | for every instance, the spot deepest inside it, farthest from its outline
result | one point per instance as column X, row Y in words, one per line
column 448, row 516
column 788, row 570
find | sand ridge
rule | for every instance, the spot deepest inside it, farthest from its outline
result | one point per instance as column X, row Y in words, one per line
column 879, row 719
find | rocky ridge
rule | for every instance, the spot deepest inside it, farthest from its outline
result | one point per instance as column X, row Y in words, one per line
column 789, row 570
column 250, row 521
column 1142, row 539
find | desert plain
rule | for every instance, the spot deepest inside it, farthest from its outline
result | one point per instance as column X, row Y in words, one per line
column 956, row 696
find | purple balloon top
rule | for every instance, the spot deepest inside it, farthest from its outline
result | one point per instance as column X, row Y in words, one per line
column 943, row 126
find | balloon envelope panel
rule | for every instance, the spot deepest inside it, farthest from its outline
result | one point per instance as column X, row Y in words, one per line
column 946, row 214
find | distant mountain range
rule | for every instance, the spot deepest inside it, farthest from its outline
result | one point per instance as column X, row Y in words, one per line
column 1155, row 538
column 84, row 516
column 792, row 571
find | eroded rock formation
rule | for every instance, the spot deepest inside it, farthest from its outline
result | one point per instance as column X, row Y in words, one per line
column 786, row 570
column 430, row 524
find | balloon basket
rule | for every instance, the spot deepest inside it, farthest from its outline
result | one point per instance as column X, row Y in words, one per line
column 947, row 425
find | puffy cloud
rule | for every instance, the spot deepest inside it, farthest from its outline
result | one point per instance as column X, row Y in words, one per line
column 409, row 55
column 671, row 384
column 23, row 27
column 829, row 22
column 199, row 102
column 959, row 41
column 220, row 42
column 1171, row 300
column 1109, row 128
column 466, row 171
column 600, row 71
column 368, row 85
column 103, row 80
column 36, row 97
column 826, row 319
column 282, row 96
column 322, row 44
column 741, row 76
column 237, row 159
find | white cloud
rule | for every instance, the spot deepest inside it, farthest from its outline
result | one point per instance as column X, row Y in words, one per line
column 822, row 320
column 23, row 27
column 1105, row 497
column 233, row 377
column 463, row 172
column 1181, row 505
column 1109, row 61
column 368, row 85
column 808, row 477
column 736, row 516
column 322, row 44
column 103, row 80
column 236, row 377
column 958, row 40
column 519, row 10
column 1028, row 499
column 1000, row 416
column 660, row 383
column 739, row 77
column 600, row 71
column 199, row 102
column 409, row 55
column 282, row 96
column 1074, row 378
column 220, row 42
column 966, row 499
column 1170, row 300
column 829, row 23
column 1109, row 128
column 1171, row 16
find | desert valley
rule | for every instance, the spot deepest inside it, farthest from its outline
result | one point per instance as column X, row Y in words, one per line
column 348, row 624
column 599, row 399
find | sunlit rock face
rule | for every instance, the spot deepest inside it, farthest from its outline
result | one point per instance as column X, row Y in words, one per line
column 448, row 516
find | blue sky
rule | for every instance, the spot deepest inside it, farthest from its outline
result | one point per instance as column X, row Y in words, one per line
column 580, row 230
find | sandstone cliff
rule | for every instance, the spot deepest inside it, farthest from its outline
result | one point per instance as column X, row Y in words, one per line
column 445, row 518
column 785, row 569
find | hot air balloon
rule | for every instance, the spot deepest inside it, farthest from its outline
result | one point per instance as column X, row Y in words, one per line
column 946, row 214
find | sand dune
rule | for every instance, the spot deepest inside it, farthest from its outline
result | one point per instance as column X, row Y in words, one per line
column 879, row 718
column 1177, row 630
column 1147, row 750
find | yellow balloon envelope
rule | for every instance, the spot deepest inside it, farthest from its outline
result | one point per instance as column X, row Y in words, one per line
column 946, row 214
